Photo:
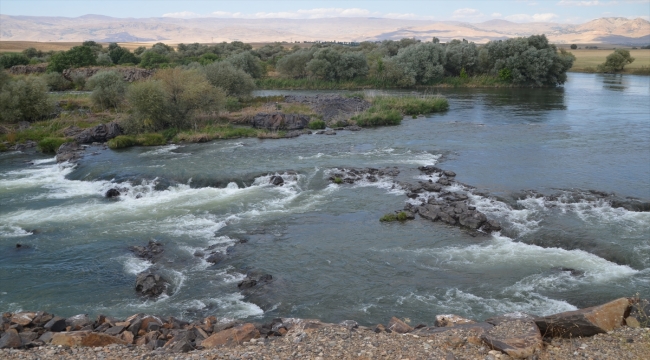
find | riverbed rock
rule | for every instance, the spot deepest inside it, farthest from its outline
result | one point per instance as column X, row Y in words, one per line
column 150, row 284
column 68, row 151
column 98, row 339
column 100, row 133
column 254, row 278
column 77, row 322
column 331, row 107
column 517, row 338
column 23, row 318
column 398, row 326
column 215, row 257
column 233, row 336
column 277, row 180
column 153, row 251
column 472, row 219
column 111, row 193
column 69, row 338
column 450, row 320
column 56, row 324
column 585, row 322
column 280, row 121
column 10, row 339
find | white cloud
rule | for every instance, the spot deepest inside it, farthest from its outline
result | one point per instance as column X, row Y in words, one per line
column 532, row 18
column 317, row 13
column 496, row 15
column 586, row 3
column 466, row 13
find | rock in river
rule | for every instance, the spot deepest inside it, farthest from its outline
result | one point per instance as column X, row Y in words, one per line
column 150, row 284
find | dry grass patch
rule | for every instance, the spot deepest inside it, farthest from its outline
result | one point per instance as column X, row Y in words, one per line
column 588, row 60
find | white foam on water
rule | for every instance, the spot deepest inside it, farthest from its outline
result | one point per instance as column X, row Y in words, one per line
column 236, row 307
column 133, row 265
column 524, row 221
column 457, row 301
column 164, row 150
column 35, row 176
column 44, row 161
column 601, row 211
column 10, row 231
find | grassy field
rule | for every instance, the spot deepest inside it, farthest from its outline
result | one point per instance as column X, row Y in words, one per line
column 586, row 59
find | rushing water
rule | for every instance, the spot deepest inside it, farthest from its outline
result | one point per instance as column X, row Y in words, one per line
column 329, row 255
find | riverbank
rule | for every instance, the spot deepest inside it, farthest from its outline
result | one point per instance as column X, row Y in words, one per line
column 615, row 330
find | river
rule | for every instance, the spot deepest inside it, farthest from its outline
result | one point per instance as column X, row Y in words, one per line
column 329, row 255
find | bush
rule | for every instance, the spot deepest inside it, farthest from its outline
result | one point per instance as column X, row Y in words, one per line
column 25, row 99
column 50, row 145
column 11, row 59
column 295, row 65
column 401, row 216
column 247, row 62
column 108, row 88
column 412, row 105
column 461, row 57
column 422, row 63
column 170, row 100
column 616, row 61
column 78, row 56
column 316, row 124
column 56, row 82
column 79, row 81
column 152, row 139
column 235, row 82
column 574, row 46
column 122, row 141
column 377, row 117
column 104, row 60
column 151, row 59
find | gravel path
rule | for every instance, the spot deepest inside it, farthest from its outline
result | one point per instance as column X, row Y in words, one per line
column 337, row 342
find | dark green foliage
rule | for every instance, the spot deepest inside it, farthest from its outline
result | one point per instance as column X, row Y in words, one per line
column 33, row 53
column 122, row 141
column 247, row 62
column 152, row 139
column 78, row 56
column 108, row 88
column 24, row 99
column 56, row 82
column 139, row 50
column 616, row 61
column 12, row 59
column 208, row 58
column 401, row 216
column 376, row 116
column 574, row 46
column 50, row 145
column 120, row 55
column 505, row 74
column 233, row 104
column 461, row 56
column 169, row 133
column 295, row 65
column 235, row 82
column 152, row 59
column 316, row 124
column 329, row 64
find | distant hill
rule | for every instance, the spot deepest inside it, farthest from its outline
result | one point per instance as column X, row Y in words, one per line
column 173, row 30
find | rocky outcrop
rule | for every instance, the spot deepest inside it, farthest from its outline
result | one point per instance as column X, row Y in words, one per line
column 129, row 74
column 69, row 151
column 280, row 121
column 153, row 251
column 353, row 175
column 585, row 322
column 100, row 133
column 253, row 279
column 233, row 336
column 331, row 107
column 27, row 69
column 398, row 326
column 150, row 284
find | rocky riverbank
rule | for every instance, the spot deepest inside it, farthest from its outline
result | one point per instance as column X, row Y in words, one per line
column 616, row 330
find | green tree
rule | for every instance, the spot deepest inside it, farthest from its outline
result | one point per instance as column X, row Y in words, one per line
column 11, row 59
column 78, row 56
column 152, row 59
column 24, row 99
column 233, row 81
column 460, row 55
column 108, row 88
column 616, row 61
column 248, row 62
column 32, row 53
column 422, row 62
column 574, row 46
column 295, row 65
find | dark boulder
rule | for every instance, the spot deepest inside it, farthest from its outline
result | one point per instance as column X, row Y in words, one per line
column 254, row 278
column 279, row 121
column 111, row 193
column 277, row 180
column 69, row 151
column 152, row 252
column 100, row 133
column 10, row 339
column 472, row 219
column 150, row 284
column 215, row 257
column 56, row 324
column 431, row 187
column 78, row 321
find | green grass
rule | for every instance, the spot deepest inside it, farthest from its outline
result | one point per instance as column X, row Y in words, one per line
column 376, row 116
column 587, row 60
column 316, row 124
column 401, row 216
column 3, row 147
column 122, row 141
column 412, row 104
column 50, row 145
column 338, row 180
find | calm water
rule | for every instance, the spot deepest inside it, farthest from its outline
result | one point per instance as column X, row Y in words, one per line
column 330, row 256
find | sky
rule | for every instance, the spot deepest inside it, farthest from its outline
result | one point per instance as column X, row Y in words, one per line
column 561, row 11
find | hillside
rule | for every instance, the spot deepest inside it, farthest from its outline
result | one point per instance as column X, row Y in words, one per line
column 107, row 29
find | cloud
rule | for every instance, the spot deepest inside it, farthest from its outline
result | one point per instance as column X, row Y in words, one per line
column 317, row 13
column 586, row 3
column 532, row 18
column 496, row 15
column 466, row 13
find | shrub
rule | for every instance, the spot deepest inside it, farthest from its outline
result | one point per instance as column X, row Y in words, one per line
column 104, row 59
column 151, row 59
column 401, row 216
column 247, row 62
column 11, row 59
column 377, row 117
column 316, row 124
column 574, row 46
column 235, row 82
column 79, row 81
column 108, row 88
column 78, row 56
column 170, row 100
column 122, row 141
column 24, row 99
column 412, row 105
column 152, row 139
column 56, row 82
column 169, row 134
column 616, row 61
column 460, row 57
column 422, row 62
column 295, row 65
column 50, row 144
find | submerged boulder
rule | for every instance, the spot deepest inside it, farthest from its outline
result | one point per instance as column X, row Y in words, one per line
column 279, row 121
column 150, row 284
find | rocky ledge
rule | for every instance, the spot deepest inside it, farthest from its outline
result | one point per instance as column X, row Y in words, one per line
column 616, row 330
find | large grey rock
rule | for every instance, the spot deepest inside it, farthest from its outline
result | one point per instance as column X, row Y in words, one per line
column 152, row 252
column 585, row 322
column 517, row 338
column 77, row 322
column 100, row 133
column 56, row 324
column 279, row 121
column 150, row 284
column 472, row 219
column 69, row 151
column 10, row 339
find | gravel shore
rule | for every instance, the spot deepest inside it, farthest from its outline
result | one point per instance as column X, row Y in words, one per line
column 339, row 342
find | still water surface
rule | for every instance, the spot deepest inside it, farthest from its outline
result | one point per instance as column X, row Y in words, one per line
column 329, row 255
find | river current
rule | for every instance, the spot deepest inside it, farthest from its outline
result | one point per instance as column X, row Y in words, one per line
column 329, row 255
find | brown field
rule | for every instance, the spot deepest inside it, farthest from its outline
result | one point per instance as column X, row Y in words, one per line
column 591, row 58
